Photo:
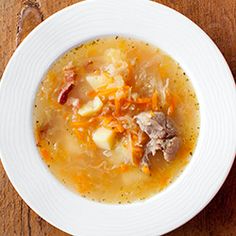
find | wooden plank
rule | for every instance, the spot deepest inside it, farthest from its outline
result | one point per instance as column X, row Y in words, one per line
column 218, row 19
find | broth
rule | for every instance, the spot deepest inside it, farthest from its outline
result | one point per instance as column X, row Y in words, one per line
column 107, row 83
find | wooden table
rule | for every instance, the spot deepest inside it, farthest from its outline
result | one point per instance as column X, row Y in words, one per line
column 218, row 19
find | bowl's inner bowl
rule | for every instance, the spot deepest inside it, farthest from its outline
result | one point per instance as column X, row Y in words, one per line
column 116, row 119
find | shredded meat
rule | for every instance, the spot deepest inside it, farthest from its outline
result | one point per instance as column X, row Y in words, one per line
column 170, row 147
column 162, row 134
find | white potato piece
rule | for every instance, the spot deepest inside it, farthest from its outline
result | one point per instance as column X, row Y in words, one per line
column 116, row 62
column 104, row 138
column 105, row 80
column 97, row 81
column 117, row 82
column 91, row 107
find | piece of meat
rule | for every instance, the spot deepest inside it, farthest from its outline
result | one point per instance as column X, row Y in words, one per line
column 69, row 73
column 69, row 78
column 170, row 147
column 63, row 95
column 161, row 132
column 156, row 125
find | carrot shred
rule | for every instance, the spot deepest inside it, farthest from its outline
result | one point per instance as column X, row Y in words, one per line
column 92, row 94
column 45, row 155
column 119, row 128
column 117, row 106
column 154, row 101
column 106, row 92
column 139, row 101
column 172, row 105
column 77, row 124
column 106, row 120
column 125, row 105
column 146, row 170
column 143, row 100
column 123, row 168
column 134, row 137
column 170, row 110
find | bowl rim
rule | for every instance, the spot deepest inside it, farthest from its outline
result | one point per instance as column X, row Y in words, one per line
column 142, row 8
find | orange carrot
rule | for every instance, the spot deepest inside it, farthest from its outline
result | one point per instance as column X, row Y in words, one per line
column 146, row 170
column 45, row 155
column 154, row 101
column 91, row 94
column 140, row 101
column 124, row 167
column 117, row 106
column 106, row 92
column 143, row 100
column 125, row 105
column 134, row 138
column 119, row 128
column 171, row 107
column 106, row 120
column 170, row 110
column 78, row 124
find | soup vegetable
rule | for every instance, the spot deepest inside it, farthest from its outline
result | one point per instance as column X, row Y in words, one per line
column 116, row 120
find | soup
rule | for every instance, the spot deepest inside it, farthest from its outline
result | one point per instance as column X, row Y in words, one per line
column 116, row 120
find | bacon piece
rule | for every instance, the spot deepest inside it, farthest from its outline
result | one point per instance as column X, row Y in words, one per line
column 69, row 73
column 63, row 95
column 69, row 78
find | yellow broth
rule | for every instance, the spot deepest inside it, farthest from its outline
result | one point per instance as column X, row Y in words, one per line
column 64, row 138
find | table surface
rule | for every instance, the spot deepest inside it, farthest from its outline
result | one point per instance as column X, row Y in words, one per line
column 218, row 19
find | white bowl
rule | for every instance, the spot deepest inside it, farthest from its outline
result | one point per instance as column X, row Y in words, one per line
column 168, row 30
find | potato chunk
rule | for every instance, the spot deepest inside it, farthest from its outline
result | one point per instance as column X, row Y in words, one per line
column 117, row 82
column 104, row 138
column 105, row 80
column 91, row 107
column 116, row 62
column 97, row 81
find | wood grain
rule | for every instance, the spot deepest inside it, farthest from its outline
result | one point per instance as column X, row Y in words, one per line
column 218, row 19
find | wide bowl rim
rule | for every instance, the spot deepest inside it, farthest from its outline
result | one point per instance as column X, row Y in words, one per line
column 64, row 13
